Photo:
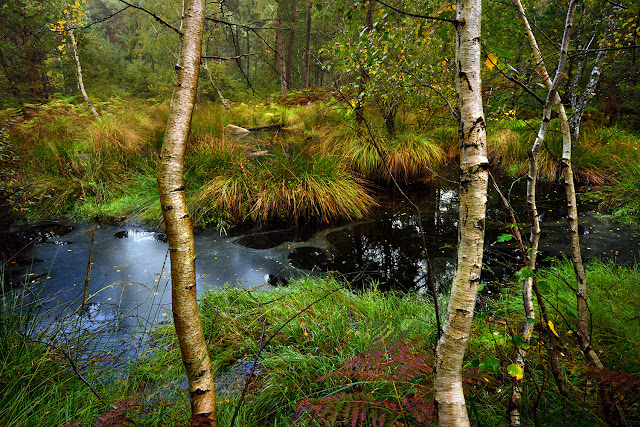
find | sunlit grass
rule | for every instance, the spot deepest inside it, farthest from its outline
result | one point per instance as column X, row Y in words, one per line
column 408, row 157
column 286, row 183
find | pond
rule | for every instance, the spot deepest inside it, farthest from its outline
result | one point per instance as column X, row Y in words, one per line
column 129, row 279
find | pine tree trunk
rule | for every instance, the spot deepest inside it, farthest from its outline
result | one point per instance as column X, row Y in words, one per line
column 280, row 54
column 186, row 315
column 307, row 51
column 292, row 33
column 79, row 75
column 449, row 397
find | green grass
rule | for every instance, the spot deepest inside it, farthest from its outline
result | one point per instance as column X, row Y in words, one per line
column 320, row 326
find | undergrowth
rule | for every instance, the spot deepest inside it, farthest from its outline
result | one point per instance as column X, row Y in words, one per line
column 333, row 357
column 319, row 168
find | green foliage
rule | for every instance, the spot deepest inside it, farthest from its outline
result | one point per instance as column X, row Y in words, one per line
column 318, row 342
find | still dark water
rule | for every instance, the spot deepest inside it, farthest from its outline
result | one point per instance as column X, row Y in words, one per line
column 129, row 278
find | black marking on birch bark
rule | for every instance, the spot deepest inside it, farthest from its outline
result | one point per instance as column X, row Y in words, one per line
column 188, row 288
column 462, row 311
column 179, row 189
column 479, row 224
column 479, row 122
column 546, row 119
column 201, row 373
column 167, row 208
column 187, row 363
column 185, row 216
column 472, row 145
column 199, row 392
column 174, row 250
column 476, row 168
column 463, row 75
column 178, row 67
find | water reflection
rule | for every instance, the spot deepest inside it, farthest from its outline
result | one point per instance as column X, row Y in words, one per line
column 129, row 278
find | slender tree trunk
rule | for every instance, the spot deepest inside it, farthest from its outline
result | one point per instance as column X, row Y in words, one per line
column 532, row 178
column 579, row 105
column 186, row 315
column 280, row 54
column 307, row 50
column 611, row 413
column 248, row 56
column 215, row 87
column 449, row 396
column 292, row 33
column 364, row 77
column 79, row 75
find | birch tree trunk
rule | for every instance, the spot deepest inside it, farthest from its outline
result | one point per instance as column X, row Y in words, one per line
column 580, row 105
column 610, row 411
column 79, row 75
column 186, row 315
column 449, row 397
column 552, row 98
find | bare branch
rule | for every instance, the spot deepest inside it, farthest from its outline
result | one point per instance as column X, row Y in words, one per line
column 101, row 20
column 414, row 15
column 156, row 17
column 228, row 58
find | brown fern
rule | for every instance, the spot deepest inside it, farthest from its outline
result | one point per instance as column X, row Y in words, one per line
column 618, row 382
column 399, row 367
column 117, row 416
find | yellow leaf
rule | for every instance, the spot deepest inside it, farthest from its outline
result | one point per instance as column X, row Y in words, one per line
column 553, row 329
column 490, row 60
column 515, row 371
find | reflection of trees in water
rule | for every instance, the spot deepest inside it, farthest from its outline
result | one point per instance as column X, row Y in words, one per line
column 389, row 250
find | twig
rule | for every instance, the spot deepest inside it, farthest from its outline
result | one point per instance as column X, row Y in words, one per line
column 251, row 372
column 228, row 58
column 212, row 323
column 414, row 15
column 87, row 278
column 263, row 346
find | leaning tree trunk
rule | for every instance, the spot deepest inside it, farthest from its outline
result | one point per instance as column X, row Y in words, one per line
column 186, row 316
column 79, row 75
column 610, row 411
column 552, row 98
column 449, row 397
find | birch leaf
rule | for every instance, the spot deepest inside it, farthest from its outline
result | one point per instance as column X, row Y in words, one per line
column 553, row 329
column 515, row 371
column 490, row 60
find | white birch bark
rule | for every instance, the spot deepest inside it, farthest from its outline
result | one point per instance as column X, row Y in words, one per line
column 179, row 229
column 76, row 57
column 579, row 105
column 449, row 397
